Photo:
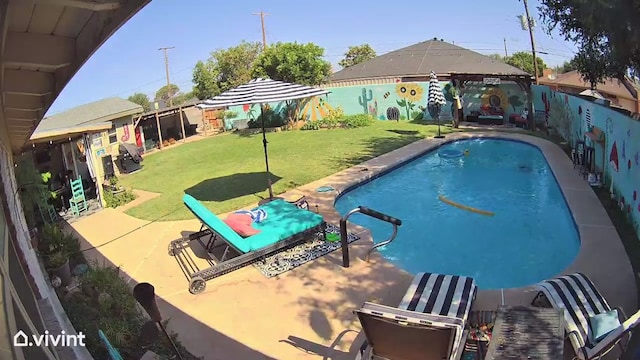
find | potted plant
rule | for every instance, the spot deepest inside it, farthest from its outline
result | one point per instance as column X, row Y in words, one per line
column 58, row 264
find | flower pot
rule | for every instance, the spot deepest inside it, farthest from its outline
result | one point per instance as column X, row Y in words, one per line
column 64, row 273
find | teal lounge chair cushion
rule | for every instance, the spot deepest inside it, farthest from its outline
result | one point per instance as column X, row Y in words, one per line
column 283, row 221
column 210, row 219
column 601, row 325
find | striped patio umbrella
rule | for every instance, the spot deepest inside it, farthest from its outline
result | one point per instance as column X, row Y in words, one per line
column 435, row 100
column 262, row 91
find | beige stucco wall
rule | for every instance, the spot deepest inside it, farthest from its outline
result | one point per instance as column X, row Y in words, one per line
column 101, row 146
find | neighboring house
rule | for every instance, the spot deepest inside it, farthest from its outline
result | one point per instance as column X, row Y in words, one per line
column 42, row 46
column 492, row 91
column 415, row 62
column 621, row 93
column 108, row 122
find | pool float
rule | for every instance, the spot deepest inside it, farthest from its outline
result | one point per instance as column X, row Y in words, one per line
column 464, row 207
column 450, row 153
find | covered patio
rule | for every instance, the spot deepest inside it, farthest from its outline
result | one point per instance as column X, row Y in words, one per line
column 43, row 43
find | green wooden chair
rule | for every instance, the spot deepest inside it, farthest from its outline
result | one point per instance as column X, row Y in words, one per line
column 77, row 202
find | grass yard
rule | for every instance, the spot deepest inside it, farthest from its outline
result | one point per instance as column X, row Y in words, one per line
column 227, row 172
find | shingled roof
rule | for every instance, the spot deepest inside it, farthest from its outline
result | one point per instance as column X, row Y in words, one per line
column 422, row 58
column 98, row 111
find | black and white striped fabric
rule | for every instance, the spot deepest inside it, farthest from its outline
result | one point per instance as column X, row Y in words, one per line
column 261, row 91
column 580, row 299
column 446, row 295
column 435, row 97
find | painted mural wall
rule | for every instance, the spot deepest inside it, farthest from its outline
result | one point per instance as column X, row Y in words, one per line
column 618, row 157
column 400, row 101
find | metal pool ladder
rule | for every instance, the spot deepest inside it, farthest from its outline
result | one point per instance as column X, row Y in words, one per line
column 373, row 213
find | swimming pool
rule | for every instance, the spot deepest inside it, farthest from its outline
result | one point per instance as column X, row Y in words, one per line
column 532, row 235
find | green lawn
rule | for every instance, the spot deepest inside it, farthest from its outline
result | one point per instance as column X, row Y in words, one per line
column 227, row 172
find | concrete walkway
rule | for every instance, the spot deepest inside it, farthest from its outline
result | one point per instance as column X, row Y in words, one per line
column 307, row 312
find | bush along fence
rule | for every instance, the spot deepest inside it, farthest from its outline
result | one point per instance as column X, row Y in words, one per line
column 613, row 136
column 395, row 102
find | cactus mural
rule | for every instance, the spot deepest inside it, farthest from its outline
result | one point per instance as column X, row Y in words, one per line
column 363, row 99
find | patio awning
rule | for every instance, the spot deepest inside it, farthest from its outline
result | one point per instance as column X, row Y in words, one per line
column 62, row 133
column 261, row 91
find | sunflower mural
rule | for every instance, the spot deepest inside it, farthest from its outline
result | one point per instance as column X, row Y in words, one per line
column 495, row 97
column 315, row 108
column 410, row 94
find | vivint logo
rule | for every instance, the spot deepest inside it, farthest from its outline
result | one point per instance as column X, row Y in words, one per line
column 21, row 339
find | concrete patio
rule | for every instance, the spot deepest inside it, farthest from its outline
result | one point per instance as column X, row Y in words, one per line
column 307, row 312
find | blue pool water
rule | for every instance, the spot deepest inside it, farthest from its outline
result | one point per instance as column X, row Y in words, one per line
column 531, row 237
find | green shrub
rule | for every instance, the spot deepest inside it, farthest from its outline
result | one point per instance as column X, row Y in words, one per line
column 114, row 200
column 311, row 125
column 271, row 117
column 359, row 120
column 333, row 118
column 56, row 247
column 104, row 301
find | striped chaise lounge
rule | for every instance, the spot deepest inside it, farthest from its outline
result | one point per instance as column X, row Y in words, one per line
column 427, row 325
column 581, row 300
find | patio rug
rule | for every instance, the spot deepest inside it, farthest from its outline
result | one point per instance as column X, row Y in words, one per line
column 300, row 254
column 480, row 329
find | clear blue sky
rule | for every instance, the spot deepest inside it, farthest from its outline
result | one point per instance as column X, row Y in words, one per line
column 130, row 62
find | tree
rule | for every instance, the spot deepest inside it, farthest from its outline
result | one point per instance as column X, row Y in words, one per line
column 607, row 33
column 182, row 98
column 225, row 69
column 524, row 60
column 294, row 63
column 167, row 92
column 568, row 66
column 141, row 99
column 496, row 56
column 357, row 54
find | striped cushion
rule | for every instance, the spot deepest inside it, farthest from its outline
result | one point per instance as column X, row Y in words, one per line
column 579, row 297
column 447, row 295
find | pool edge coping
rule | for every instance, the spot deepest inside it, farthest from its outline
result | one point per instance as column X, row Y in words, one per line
column 574, row 189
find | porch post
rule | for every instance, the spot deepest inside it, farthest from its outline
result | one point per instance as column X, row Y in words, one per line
column 159, row 130
column 204, row 125
column 184, row 134
column 73, row 157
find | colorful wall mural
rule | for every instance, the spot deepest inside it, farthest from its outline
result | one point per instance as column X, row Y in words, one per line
column 400, row 101
column 617, row 157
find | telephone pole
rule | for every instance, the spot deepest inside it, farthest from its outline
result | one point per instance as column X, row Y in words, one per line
column 533, row 43
column 264, row 32
column 506, row 54
column 166, row 68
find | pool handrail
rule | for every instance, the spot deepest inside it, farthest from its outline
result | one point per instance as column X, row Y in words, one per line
column 370, row 212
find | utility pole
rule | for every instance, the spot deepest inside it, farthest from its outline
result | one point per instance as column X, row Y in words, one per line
column 533, row 43
column 166, row 68
column 506, row 54
column 264, row 33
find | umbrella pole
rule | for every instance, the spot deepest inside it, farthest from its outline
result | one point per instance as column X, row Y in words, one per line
column 439, row 136
column 266, row 157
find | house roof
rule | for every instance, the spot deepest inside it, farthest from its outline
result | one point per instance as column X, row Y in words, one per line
column 42, row 45
column 574, row 79
column 422, row 58
column 87, row 115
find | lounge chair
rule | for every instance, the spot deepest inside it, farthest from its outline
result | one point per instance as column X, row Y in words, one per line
column 581, row 301
column 427, row 325
column 285, row 226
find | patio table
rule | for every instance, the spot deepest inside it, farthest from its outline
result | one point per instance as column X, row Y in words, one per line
column 524, row 332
